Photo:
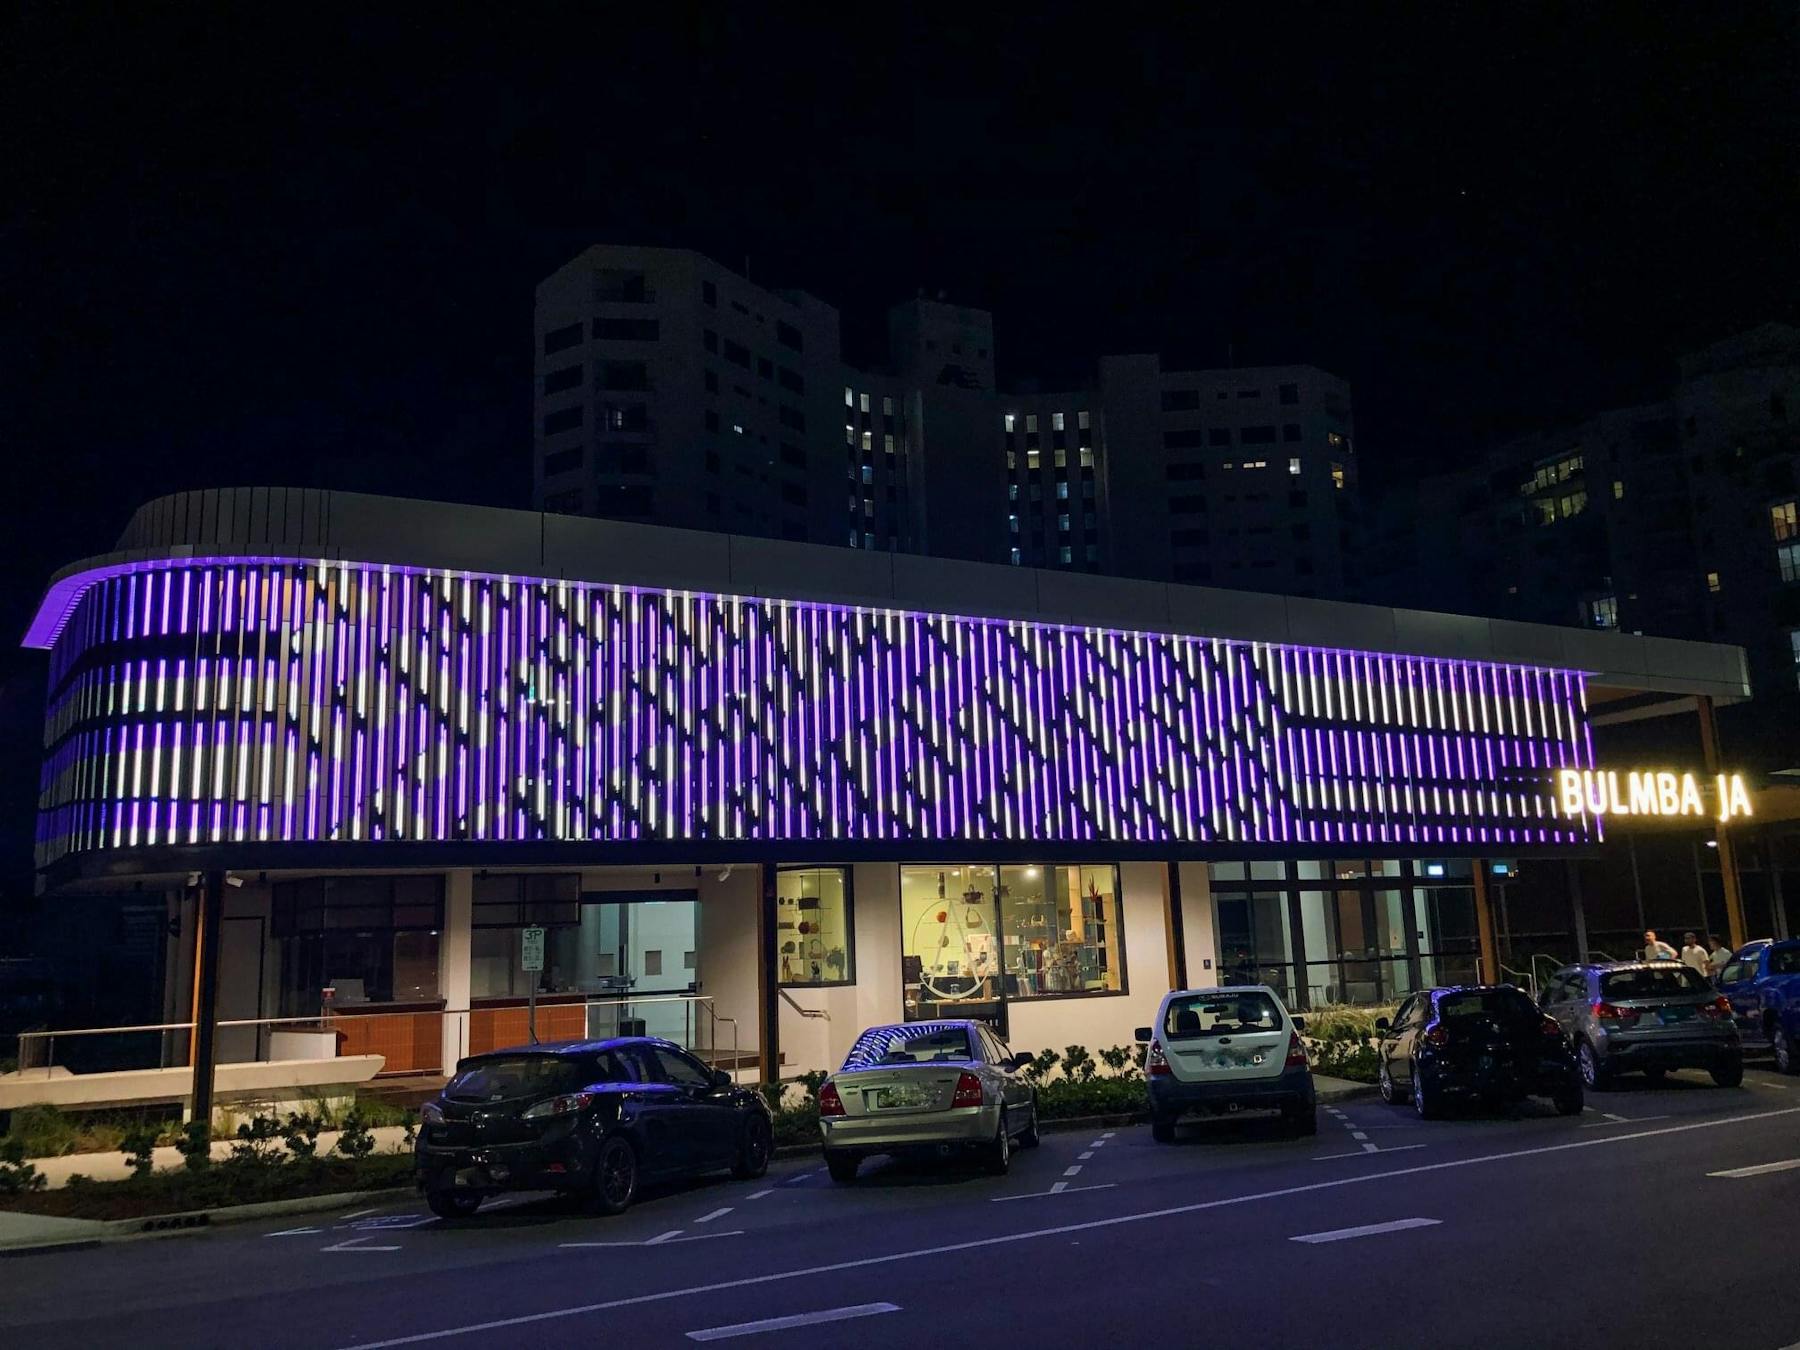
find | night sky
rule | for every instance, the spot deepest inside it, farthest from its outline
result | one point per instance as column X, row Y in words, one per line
column 270, row 245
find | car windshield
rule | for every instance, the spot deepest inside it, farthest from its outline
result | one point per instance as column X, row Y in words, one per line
column 915, row 1043
column 1491, row 1002
column 506, row 1077
column 1226, row 1014
column 1651, row 982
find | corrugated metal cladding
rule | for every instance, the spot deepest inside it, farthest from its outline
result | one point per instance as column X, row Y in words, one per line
column 204, row 702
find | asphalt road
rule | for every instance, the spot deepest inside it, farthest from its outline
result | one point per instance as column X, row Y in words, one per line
column 1610, row 1229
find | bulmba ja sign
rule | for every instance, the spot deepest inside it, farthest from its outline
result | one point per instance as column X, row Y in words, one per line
column 1662, row 792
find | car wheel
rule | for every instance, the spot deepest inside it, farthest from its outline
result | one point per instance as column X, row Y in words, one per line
column 1424, row 1100
column 1784, row 1050
column 1729, row 1072
column 999, row 1153
column 1385, row 1081
column 449, row 1204
column 842, row 1167
column 1028, row 1138
column 1594, row 1074
column 1162, row 1129
column 753, row 1150
column 1570, row 1101
column 615, row 1176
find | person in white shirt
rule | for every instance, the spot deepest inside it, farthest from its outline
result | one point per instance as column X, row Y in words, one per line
column 1655, row 949
column 1721, row 955
column 1693, row 955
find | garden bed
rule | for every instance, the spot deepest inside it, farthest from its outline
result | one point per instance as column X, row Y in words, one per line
column 225, row 1183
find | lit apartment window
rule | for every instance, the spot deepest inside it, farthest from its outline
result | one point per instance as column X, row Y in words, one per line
column 1032, row 461
column 1603, row 611
column 1087, row 458
column 1787, row 558
column 868, row 473
column 1794, row 647
column 1293, row 465
column 1065, row 554
column 887, row 404
column 856, row 539
column 1012, row 492
column 850, row 436
column 1337, row 475
column 1011, row 419
column 888, row 444
column 862, row 403
column 1012, row 524
column 1012, row 461
column 1062, row 491
column 849, row 398
column 869, row 510
column 869, row 539
column 868, row 440
column 1618, row 489
column 1782, row 520
column 1015, row 557
column 1062, row 526
column 1082, row 420
column 1062, row 459
column 1056, row 422
column 1712, row 582
column 1031, row 422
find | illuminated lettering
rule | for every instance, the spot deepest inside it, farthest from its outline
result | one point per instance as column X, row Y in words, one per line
column 1667, row 794
column 1646, row 792
column 1643, row 795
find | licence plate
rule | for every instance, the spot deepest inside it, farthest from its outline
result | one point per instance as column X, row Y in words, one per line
column 1677, row 1015
column 886, row 1098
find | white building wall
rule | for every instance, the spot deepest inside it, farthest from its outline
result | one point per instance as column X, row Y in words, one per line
column 1197, row 925
column 812, row 1043
column 727, row 958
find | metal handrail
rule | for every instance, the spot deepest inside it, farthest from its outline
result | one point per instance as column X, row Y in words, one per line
column 801, row 1009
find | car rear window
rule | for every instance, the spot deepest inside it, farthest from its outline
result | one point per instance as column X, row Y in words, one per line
column 1651, row 982
column 500, row 1079
column 1784, row 961
column 1492, row 1002
column 914, row 1043
column 1200, row 1015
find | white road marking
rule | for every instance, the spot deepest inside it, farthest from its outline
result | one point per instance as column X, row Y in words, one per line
column 390, row 1222
column 1359, row 1136
column 757, row 1195
column 1087, row 1155
column 664, row 1239
column 1073, row 1169
column 356, row 1245
column 1366, row 1150
column 1366, row 1230
column 797, row 1320
column 1060, row 1188
column 1057, row 1230
column 1109, row 1134
column 1773, row 1087
column 716, row 1214
column 1367, row 1146
column 799, row 1177
column 669, row 1236
column 1098, row 1143
column 358, row 1213
column 294, row 1232
column 1610, row 1116
column 1618, row 1120
column 1761, row 1169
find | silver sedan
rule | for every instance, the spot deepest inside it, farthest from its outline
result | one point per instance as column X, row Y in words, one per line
column 931, row 1088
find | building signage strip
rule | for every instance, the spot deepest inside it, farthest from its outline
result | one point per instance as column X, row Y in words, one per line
column 205, row 702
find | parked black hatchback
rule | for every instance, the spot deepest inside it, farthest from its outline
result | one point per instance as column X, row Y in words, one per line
column 1482, row 1041
column 589, row 1119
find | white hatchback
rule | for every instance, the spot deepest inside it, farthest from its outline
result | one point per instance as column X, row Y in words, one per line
column 1226, row 1050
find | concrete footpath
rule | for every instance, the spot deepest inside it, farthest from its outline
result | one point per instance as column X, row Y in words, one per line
column 114, row 1167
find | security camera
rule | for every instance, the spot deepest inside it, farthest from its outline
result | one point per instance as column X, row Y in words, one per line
column 231, row 879
column 725, row 875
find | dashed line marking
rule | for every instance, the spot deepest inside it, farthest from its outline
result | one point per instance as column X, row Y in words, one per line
column 1366, row 1150
column 716, row 1214
column 799, row 1177
column 1367, row 1146
column 795, row 1320
column 1060, row 1188
column 1366, row 1230
column 757, row 1195
column 1761, row 1169
column 1087, row 1155
column 1074, row 1169
column 1109, row 1134
column 1359, row 1136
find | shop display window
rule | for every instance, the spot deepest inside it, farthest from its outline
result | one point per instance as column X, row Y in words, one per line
column 1060, row 928
column 813, row 940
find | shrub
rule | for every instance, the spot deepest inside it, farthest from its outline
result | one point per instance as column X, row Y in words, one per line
column 301, row 1134
column 354, row 1139
column 1065, row 1097
column 16, row 1175
column 256, row 1146
column 195, row 1144
column 1042, row 1065
column 43, row 1132
column 139, row 1144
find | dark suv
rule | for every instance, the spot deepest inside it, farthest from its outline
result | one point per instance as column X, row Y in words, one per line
column 1649, row 1016
column 590, row 1119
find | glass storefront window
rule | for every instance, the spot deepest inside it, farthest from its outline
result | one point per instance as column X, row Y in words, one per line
column 370, row 939
column 949, row 948
column 813, row 939
column 1060, row 931
column 1256, row 941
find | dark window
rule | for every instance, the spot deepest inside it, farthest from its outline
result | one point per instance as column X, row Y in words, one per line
column 1301, row 531
column 712, row 503
column 712, row 461
column 677, row 1068
column 634, row 459
column 737, row 353
column 1290, row 393
column 1183, row 440
column 631, row 375
column 502, row 1078
column 569, row 377
column 1290, row 431
column 793, row 417
column 709, row 293
column 565, row 419
column 1249, row 393
column 1183, row 473
column 1187, row 536
column 1186, row 506
column 1257, row 436
column 1297, row 498
column 561, row 339
column 712, row 419
column 712, row 382
column 1180, row 400
column 765, row 367
column 788, row 336
column 1219, row 436
column 634, row 500
column 625, row 417
column 626, row 330
column 617, row 286
column 709, row 340
column 794, row 494
column 793, row 454
column 791, row 380
column 561, row 461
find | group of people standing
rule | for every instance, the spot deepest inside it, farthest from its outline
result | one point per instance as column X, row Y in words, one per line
column 1707, row 958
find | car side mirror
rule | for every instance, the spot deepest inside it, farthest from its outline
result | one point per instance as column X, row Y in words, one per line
column 721, row 1079
column 1299, row 1023
column 1018, row 1062
column 1382, row 1024
column 1142, row 1035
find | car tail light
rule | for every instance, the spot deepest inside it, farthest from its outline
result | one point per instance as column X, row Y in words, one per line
column 830, row 1104
column 1437, row 1034
column 968, row 1091
column 1156, row 1063
column 1608, row 1012
column 1296, row 1056
column 565, row 1105
column 1719, row 1007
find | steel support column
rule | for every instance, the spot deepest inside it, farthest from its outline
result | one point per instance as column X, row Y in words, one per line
column 768, row 978
column 1484, row 925
column 1728, row 873
column 1174, row 926
column 206, row 992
